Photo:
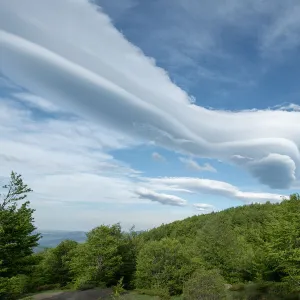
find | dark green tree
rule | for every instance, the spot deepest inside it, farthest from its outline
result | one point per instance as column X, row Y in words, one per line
column 164, row 264
column 205, row 285
column 17, row 231
column 283, row 246
column 54, row 265
column 99, row 260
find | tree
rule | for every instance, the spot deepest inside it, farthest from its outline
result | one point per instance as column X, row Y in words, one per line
column 283, row 247
column 128, row 250
column 163, row 264
column 17, row 232
column 99, row 260
column 54, row 265
column 205, row 285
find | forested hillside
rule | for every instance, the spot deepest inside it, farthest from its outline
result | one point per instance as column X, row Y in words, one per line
column 249, row 252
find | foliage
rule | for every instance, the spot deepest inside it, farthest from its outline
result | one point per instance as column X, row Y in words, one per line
column 17, row 237
column 54, row 265
column 263, row 290
column 119, row 288
column 205, row 285
column 258, row 242
column 163, row 264
column 104, row 257
column 256, row 248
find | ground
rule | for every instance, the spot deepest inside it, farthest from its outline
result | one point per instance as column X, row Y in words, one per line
column 94, row 294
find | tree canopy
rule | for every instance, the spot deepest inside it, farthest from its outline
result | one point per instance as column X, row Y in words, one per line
column 17, row 233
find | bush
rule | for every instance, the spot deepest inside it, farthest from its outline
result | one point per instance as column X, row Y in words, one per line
column 205, row 285
column 164, row 264
column 84, row 283
column 14, row 287
column 119, row 288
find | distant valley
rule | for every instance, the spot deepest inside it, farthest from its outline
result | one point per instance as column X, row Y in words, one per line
column 51, row 238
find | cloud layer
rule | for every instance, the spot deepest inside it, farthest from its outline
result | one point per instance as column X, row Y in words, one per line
column 100, row 75
column 77, row 177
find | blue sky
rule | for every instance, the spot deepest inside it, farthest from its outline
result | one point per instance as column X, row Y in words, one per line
column 217, row 57
column 145, row 112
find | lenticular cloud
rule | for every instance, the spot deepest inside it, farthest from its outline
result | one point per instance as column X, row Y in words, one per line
column 69, row 52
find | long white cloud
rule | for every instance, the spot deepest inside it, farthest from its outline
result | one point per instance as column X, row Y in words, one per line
column 212, row 187
column 164, row 199
column 90, row 66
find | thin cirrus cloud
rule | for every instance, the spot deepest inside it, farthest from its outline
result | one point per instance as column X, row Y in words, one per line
column 194, row 166
column 269, row 28
column 36, row 102
column 158, row 157
column 203, row 207
column 77, row 70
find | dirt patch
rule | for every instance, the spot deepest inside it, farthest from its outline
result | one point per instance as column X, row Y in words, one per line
column 47, row 295
column 95, row 294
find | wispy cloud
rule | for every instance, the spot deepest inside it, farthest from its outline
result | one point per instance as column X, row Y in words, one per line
column 204, row 207
column 287, row 107
column 116, row 9
column 158, row 157
column 119, row 87
column 36, row 102
column 194, row 166
column 165, row 199
column 212, row 187
column 226, row 38
column 283, row 32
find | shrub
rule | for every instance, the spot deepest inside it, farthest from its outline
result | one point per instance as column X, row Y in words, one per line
column 164, row 264
column 119, row 288
column 84, row 283
column 14, row 287
column 205, row 285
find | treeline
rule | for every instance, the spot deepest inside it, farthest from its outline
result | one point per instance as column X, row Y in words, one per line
column 249, row 252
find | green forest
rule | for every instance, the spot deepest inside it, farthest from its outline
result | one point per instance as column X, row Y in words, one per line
column 248, row 252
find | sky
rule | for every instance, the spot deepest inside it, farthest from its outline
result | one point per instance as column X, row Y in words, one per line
column 145, row 112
